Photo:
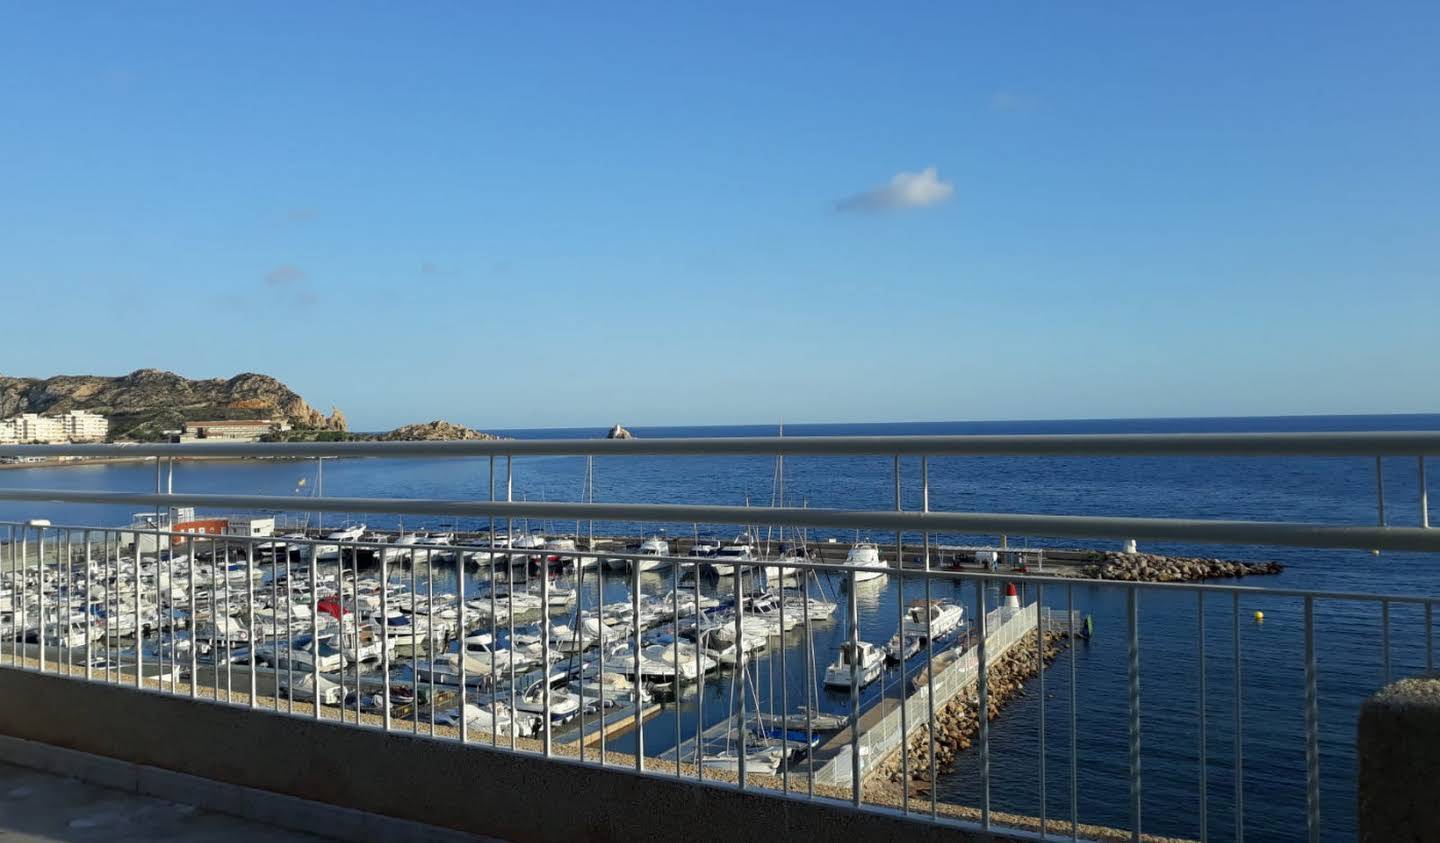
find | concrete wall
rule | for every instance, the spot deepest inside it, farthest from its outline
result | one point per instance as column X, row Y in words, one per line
column 1398, row 749
column 469, row 788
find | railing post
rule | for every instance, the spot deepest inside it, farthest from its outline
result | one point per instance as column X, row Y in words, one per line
column 1203, row 752
column 983, row 715
column 1238, row 725
column 1424, row 492
column 1133, row 627
column 1312, row 728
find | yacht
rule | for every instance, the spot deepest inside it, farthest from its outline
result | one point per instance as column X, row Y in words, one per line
column 729, row 557
column 867, row 660
column 935, row 619
column 563, row 704
column 864, row 554
column 330, row 549
column 653, row 547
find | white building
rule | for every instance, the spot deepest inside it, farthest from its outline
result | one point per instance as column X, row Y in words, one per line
column 74, row 426
column 85, row 426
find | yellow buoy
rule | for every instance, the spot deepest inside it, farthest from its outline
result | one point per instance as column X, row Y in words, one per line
column 1259, row 617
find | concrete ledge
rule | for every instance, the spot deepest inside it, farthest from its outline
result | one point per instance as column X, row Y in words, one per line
column 1398, row 749
column 273, row 809
column 234, row 760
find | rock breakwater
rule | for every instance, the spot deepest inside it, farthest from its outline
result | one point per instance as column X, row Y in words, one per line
column 957, row 723
column 1150, row 567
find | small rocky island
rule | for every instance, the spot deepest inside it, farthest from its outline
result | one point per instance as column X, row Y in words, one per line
column 618, row 432
column 435, row 431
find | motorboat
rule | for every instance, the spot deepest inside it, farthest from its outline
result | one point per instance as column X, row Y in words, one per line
column 562, row 705
column 330, row 548
column 730, row 557
column 932, row 619
column 650, row 551
column 864, row 554
column 494, row 718
column 861, row 663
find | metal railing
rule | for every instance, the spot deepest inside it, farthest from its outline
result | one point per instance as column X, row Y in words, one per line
column 135, row 587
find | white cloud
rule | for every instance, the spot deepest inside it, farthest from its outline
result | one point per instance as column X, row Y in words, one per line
column 905, row 190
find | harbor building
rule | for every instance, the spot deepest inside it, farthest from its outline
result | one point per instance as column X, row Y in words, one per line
column 231, row 430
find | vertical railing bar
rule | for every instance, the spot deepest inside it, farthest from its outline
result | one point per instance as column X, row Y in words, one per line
column 22, row 647
column 1040, row 675
column 355, row 615
column 545, row 647
column 289, row 637
column 431, row 624
column 460, row 574
column 194, row 632
column 495, row 630
column 415, row 638
column 1429, row 637
column 929, row 647
column 900, row 631
column 1133, row 626
column 40, row 592
column 1074, row 718
column 274, row 624
column 315, row 626
column 700, row 683
column 635, row 627
column 600, row 615
column 1239, row 723
column 215, row 594
column 510, row 593
column 1385, row 639
column 853, row 657
column 250, row 609
column 384, row 641
column 89, row 613
column 741, row 669
column 229, row 662
column 1380, row 489
column 1424, row 491
column 983, row 712
column 1312, row 728
column 810, row 705
column 1200, row 681
column 675, row 571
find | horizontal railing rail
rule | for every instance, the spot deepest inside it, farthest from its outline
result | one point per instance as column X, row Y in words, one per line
column 1201, row 531
column 623, row 554
column 1340, row 444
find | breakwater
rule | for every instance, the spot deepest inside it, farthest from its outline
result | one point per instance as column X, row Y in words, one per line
column 957, row 723
column 1150, row 567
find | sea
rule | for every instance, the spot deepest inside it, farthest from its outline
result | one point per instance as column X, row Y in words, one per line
column 1270, row 784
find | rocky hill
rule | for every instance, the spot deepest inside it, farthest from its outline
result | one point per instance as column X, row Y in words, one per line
column 143, row 403
column 619, row 432
column 432, row 431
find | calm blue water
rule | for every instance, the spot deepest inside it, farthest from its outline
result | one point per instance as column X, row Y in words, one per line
column 1339, row 491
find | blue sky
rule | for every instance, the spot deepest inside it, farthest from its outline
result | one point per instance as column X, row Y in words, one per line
column 575, row 214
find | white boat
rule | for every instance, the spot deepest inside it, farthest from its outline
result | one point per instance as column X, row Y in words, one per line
column 324, row 552
column 494, row 718
column 653, row 547
column 866, row 660
column 444, row 669
column 563, row 705
column 731, row 556
column 931, row 620
column 864, row 554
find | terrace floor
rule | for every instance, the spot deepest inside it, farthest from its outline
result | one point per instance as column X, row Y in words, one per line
column 37, row 807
